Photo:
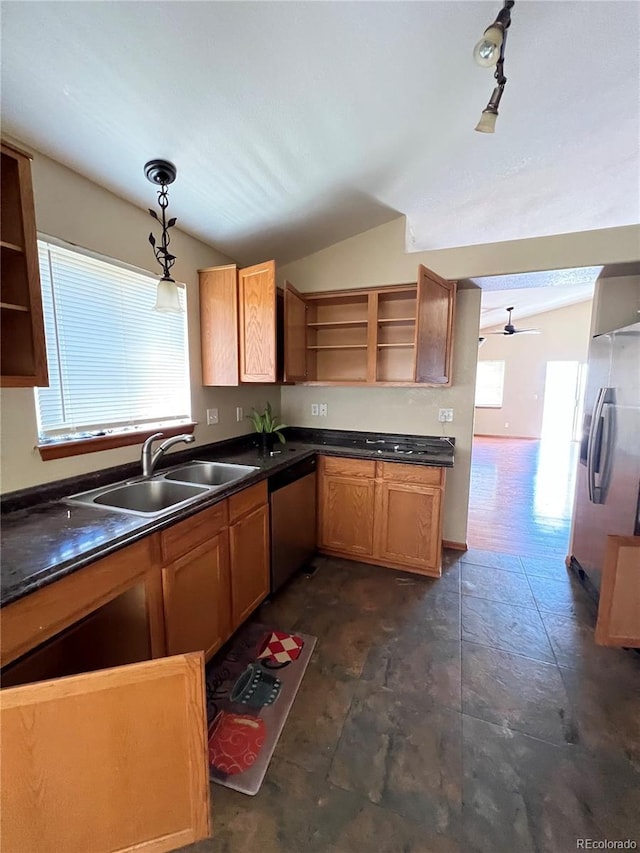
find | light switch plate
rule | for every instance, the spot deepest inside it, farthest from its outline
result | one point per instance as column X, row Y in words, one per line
column 239, row 413
column 445, row 416
column 314, row 409
column 212, row 416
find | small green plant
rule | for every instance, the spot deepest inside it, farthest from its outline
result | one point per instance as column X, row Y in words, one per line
column 266, row 422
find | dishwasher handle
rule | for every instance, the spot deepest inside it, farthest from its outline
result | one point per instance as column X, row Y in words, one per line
column 294, row 472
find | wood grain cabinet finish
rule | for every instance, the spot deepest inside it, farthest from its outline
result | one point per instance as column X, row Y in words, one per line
column 23, row 360
column 240, row 332
column 346, row 503
column 197, row 601
column 436, row 312
column 249, row 546
column 389, row 513
column 106, row 761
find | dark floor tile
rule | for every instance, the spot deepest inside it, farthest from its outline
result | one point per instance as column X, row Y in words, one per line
column 495, row 585
column 493, row 559
column 573, row 642
column 299, row 812
column 404, row 755
column 551, row 566
column 564, row 596
column 451, row 556
column 605, row 695
column 428, row 668
column 523, row 794
column 523, row 694
column 315, row 721
column 502, row 626
column 344, row 636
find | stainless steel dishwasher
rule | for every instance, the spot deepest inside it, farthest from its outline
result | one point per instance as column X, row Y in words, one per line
column 292, row 494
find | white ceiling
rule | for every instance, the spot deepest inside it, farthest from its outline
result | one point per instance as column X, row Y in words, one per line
column 533, row 293
column 297, row 124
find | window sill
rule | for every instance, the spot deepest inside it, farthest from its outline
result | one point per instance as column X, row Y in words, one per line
column 62, row 449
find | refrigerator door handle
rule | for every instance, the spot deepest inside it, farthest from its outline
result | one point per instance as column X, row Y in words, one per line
column 595, row 440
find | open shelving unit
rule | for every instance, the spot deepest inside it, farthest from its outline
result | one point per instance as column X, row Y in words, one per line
column 23, row 354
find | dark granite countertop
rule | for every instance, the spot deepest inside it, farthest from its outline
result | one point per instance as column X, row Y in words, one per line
column 43, row 542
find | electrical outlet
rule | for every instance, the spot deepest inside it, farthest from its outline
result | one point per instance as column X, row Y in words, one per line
column 323, row 410
column 239, row 413
column 445, row 416
column 315, row 409
column 212, row 416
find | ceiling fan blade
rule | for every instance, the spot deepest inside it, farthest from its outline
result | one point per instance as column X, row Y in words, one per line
column 526, row 332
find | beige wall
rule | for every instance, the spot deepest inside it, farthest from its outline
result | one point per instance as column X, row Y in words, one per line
column 378, row 257
column 74, row 209
column 564, row 336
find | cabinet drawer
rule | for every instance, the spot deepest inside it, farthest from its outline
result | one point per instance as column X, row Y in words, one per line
column 247, row 500
column 421, row 475
column 187, row 534
column 339, row 467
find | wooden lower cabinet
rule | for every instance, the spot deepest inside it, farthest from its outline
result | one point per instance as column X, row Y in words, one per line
column 196, row 596
column 408, row 525
column 106, row 761
column 387, row 513
column 347, row 514
column 249, row 548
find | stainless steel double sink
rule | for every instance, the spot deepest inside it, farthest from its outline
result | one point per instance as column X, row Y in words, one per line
column 166, row 491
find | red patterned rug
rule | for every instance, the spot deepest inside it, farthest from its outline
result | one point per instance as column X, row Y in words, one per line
column 251, row 685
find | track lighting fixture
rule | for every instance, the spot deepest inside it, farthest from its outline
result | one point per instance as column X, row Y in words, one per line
column 488, row 52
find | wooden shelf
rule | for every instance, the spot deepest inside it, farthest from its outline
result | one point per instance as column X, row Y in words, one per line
column 397, row 321
column 13, row 247
column 338, row 324
column 339, row 346
column 11, row 307
column 395, row 346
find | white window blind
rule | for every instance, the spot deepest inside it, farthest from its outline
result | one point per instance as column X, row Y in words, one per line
column 490, row 384
column 113, row 361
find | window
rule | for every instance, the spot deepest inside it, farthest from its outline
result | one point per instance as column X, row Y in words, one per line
column 490, row 384
column 114, row 363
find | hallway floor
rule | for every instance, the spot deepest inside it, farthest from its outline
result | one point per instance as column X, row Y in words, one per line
column 472, row 713
column 521, row 497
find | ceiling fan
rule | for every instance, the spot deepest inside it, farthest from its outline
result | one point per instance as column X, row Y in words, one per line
column 510, row 329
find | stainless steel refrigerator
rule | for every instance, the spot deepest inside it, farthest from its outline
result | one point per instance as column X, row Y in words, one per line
column 607, row 499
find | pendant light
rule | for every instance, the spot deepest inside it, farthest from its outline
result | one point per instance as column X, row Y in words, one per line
column 162, row 173
column 489, row 51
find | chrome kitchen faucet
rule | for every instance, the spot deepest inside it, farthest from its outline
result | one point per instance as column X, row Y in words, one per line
column 150, row 459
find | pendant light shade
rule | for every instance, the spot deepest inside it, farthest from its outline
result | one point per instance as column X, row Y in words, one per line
column 168, row 297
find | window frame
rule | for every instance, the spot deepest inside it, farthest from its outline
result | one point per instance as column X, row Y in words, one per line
column 484, row 405
column 117, row 436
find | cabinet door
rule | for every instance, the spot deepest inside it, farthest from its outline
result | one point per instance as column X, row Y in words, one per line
column 619, row 608
column 249, row 544
column 105, row 761
column 346, row 514
column 196, row 592
column 436, row 311
column 219, row 325
column 408, row 525
column 257, row 333
column 295, row 335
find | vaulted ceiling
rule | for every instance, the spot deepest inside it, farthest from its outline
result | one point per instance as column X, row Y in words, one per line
column 297, row 124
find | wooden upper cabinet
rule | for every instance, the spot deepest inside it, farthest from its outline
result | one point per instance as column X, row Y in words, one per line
column 241, row 325
column 295, row 335
column 258, row 319
column 23, row 360
column 109, row 760
column 219, row 325
column 436, row 312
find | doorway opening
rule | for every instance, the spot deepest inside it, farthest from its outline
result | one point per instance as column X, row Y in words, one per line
column 563, row 400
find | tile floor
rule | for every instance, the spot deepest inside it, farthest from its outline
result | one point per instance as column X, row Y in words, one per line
column 470, row 713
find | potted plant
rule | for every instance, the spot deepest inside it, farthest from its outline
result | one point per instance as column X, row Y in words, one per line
column 267, row 426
